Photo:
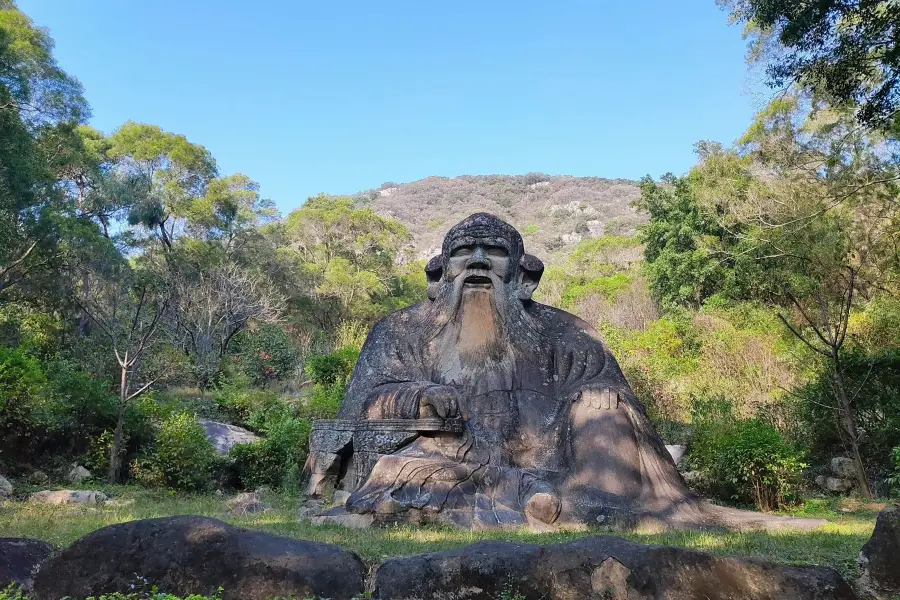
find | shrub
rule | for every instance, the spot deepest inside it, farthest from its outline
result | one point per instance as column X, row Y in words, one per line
column 745, row 460
column 875, row 381
column 182, row 457
column 327, row 369
column 22, row 387
column 238, row 400
column 268, row 354
column 284, row 447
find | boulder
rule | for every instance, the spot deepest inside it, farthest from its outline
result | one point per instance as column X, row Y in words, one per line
column 6, row 488
column 247, row 503
column 19, row 558
column 677, row 452
column 880, row 556
column 68, row 497
column 195, row 555
column 77, row 474
column 834, row 484
column 843, row 467
column 341, row 497
column 600, row 567
column 224, row 437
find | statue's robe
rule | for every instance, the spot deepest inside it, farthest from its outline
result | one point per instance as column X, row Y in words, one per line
column 527, row 428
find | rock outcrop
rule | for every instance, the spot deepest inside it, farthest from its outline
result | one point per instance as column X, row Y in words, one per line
column 224, row 437
column 195, row 555
column 68, row 497
column 19, row 557
column 880, row 557
column 600, row 567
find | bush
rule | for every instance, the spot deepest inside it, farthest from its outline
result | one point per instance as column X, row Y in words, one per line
column 267, row 354
column 238, row 401
column 328, row 369
column 182, row 457
column 283, row 450
column 745, row 460
column 22, row 390
column 875, row 381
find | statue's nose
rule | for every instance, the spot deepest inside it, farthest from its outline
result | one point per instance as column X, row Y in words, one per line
column 478, row 260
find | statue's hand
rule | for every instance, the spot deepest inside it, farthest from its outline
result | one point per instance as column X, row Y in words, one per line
column 440, row 401
column 598, row 396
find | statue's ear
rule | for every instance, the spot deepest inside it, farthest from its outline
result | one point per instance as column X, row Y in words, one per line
column 433, row 272
column 530, row 270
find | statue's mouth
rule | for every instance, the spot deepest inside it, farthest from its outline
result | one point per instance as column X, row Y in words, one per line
column 478, row 281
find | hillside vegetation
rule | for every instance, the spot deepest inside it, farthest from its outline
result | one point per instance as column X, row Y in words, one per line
column 552, row 212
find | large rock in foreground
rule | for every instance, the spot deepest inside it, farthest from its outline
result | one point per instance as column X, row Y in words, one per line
column 19, row 557
column 195, row 555
column 600, row 567
column 880, row 557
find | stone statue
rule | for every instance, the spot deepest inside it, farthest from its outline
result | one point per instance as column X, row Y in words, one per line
column 484, row 408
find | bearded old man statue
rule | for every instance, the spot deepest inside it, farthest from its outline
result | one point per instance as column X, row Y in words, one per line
column 484, row 408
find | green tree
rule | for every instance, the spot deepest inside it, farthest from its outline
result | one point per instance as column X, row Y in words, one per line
column 174, row 171
column 36, row 99
column 683, row 243
column 816, row 202
column 845, row 50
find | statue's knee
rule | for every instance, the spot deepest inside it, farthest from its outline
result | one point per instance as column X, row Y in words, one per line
column 543, row 506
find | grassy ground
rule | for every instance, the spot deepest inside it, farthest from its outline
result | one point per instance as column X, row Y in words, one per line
column 837, row 544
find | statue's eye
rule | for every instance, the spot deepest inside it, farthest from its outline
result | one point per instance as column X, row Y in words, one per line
column 497, row 252
column 462, row 251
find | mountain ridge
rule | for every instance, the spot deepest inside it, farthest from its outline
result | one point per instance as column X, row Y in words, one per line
column 553, row 212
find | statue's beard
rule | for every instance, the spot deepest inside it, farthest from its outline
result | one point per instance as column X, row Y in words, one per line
column 471, row 321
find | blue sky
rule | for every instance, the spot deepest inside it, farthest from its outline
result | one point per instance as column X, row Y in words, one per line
column 339, row 97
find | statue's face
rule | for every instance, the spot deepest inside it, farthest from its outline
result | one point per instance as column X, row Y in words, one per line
column 481, row 265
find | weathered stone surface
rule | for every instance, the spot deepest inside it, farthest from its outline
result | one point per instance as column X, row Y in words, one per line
column 19, row 557
column 677, row 452
column 77, row 474
column 344, row 519
column 247, row 503
column 600, row 567
column 833, row 484
column 224, row 437
column 482, row 408
column 843, row 467
column 6, row 488
column 196, row 555
column 341, row 497
column 68, row 497
column 880, row 556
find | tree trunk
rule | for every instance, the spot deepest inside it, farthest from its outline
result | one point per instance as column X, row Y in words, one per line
column 116, row 451
column 850, row 427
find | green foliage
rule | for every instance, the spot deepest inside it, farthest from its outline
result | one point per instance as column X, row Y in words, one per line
column 328, row 369
column 22, row 391
column 839, row 50
column 239, row 401
column 681, row 244
column 182, row 456
column 745, row 460
column 893, row 480
column 283, row 449
column 875, row 382
column 267, row 353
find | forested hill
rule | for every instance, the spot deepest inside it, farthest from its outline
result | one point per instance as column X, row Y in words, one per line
column 552, row 212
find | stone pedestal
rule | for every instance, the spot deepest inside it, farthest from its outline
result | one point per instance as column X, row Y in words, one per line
column 343, row 452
